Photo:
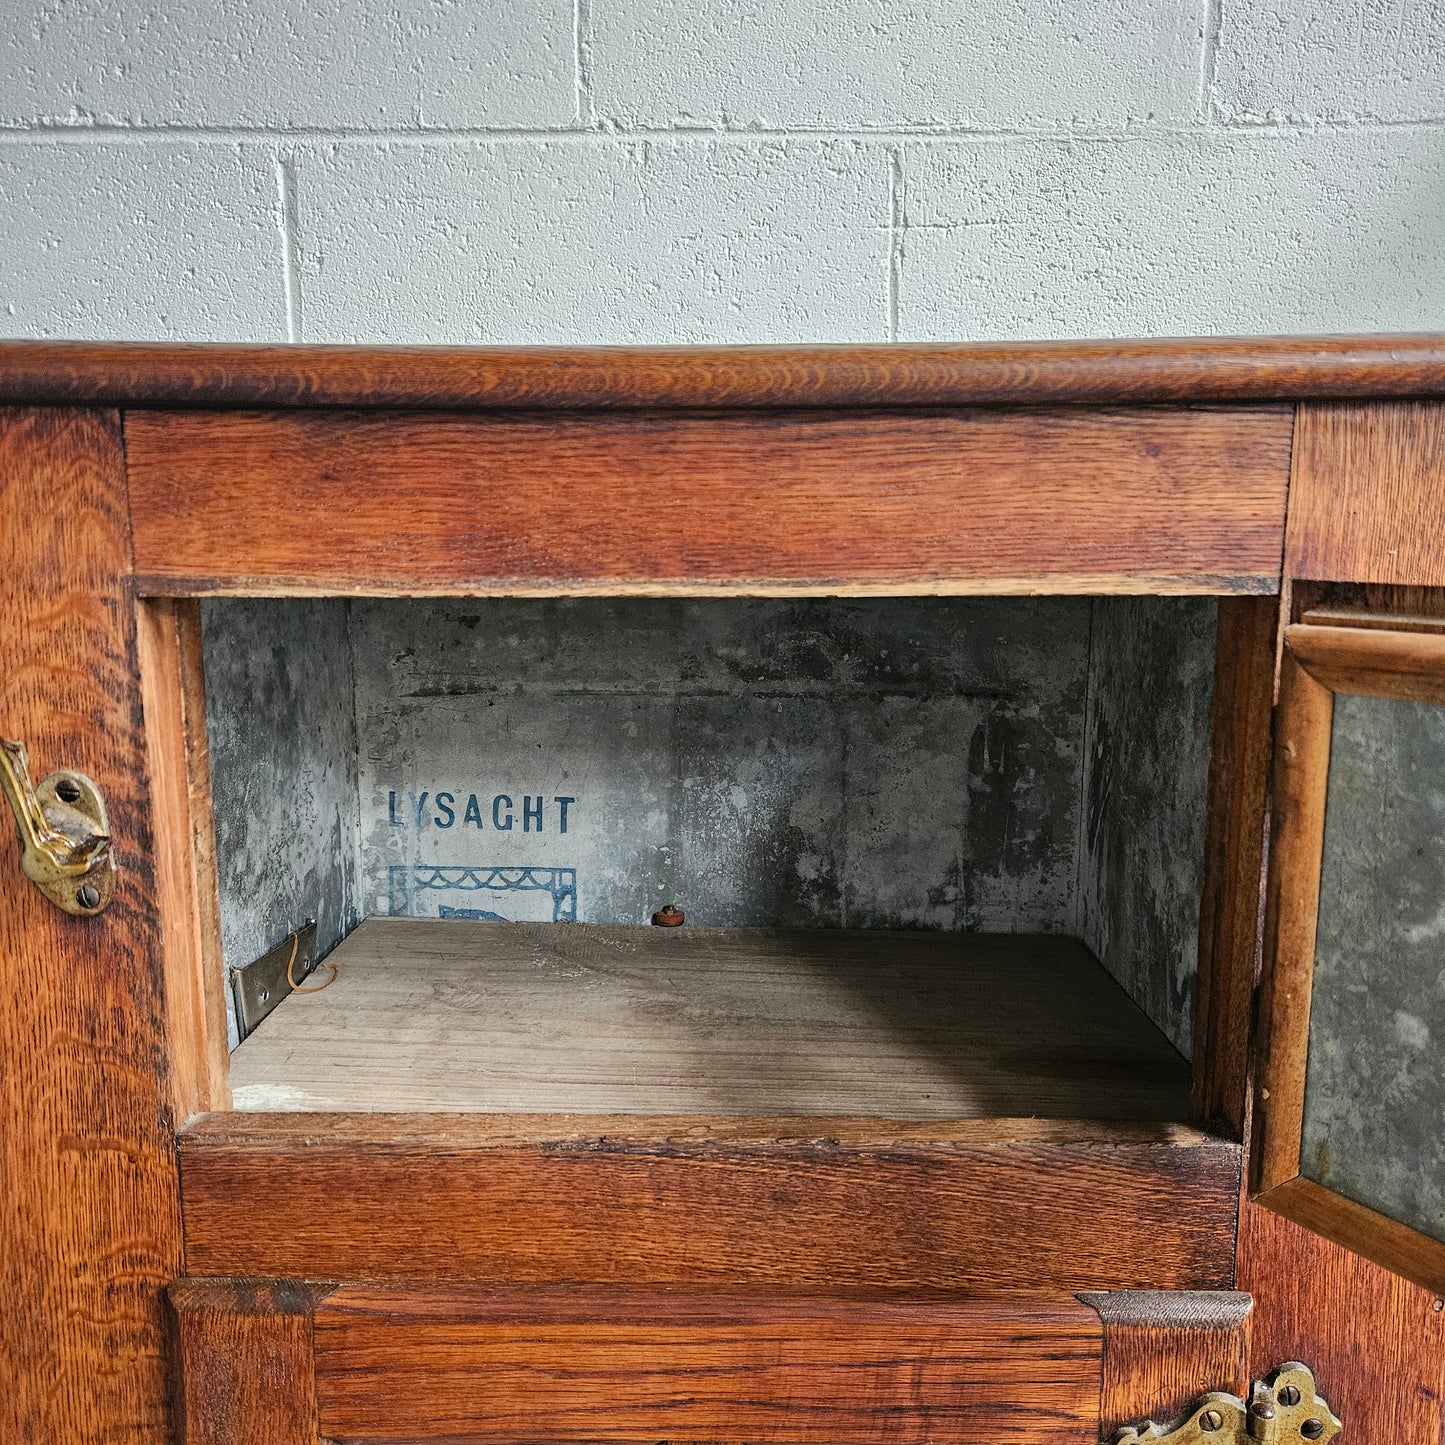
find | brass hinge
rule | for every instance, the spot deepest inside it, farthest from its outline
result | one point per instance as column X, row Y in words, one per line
column 1283, row 1409
column 65, row 844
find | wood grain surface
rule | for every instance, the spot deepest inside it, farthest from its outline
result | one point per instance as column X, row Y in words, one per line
column 1301, row 771
column 564, row 1018
column 801, row 1202
column 505, row 1366
column 779, row 503
column 1375, row 1342
column 1372, row 661
column 1165, row 1348
column 187, row 892
column 89, row 1215
column 1376, row 621
column 1234, row 850
column 245, row 1361
column 1417, row 1257
column 1217, row 369
column 1367, row 501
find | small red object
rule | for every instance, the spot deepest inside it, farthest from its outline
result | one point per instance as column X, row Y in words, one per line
column 669, row 916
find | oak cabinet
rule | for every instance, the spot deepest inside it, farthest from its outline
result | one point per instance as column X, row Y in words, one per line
column 937, row 686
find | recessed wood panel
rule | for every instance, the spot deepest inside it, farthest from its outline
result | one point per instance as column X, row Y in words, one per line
column 986, row 1204
column 1367, row 503
column 507, row 1366
column 752, row 502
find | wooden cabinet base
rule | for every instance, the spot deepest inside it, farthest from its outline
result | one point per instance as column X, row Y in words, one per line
column 282, row 1362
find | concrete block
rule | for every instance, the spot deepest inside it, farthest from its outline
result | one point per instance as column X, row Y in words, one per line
column 155, row 241
column 1332, row 60
column 594, row 240
column 874, row 64
column 361, row 63
column 1174, row 235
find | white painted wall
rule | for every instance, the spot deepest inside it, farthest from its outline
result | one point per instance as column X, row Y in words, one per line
column 719, row 170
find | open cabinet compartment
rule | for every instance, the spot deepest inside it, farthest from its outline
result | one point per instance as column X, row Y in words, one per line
column 940, row 858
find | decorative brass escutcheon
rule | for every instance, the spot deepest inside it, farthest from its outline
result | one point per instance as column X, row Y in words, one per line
column 1283, row 1409
column 65, row 843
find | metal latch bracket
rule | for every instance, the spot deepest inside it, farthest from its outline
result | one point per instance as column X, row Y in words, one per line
column 65, row 842
column 1284, row 1409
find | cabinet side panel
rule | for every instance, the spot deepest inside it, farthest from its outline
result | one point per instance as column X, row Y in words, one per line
column 173, row 687
column 89, row 1214
column 1234, row 850
column 1145, row 789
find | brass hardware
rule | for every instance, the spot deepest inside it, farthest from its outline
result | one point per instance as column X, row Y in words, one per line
column 1283, row 1409
column 65, row 844
column 261, row 984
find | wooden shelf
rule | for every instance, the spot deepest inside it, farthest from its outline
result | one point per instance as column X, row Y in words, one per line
column 465, row 1016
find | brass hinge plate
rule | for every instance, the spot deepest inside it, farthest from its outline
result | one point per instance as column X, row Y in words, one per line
column 1284, row 1409
column 262, row 984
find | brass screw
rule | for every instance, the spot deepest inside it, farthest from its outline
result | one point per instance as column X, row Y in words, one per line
column 68, row 790
column 1289, row 1396
column 87, row 895
column 1210, row 1421
column 1312, row 1429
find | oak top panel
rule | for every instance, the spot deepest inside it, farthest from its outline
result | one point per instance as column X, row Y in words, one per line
column 761, row 503
column 461, row 1016
column 1217, row 369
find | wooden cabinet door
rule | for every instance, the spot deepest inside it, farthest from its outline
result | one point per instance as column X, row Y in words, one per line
column 1344, row 1266
column 1343, row 1237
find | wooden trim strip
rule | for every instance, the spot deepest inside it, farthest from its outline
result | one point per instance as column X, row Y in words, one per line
column 1377, row 1237
column 804, row 1202
column 1301, row 771
column 1375, row 621
column 1371, row 661
column 168, row 646
column 1235, row 825
column 1222, row 369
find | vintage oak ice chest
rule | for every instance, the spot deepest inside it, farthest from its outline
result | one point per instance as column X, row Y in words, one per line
column 784, row 895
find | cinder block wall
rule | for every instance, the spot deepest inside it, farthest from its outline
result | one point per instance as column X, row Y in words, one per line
column 719, row 170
